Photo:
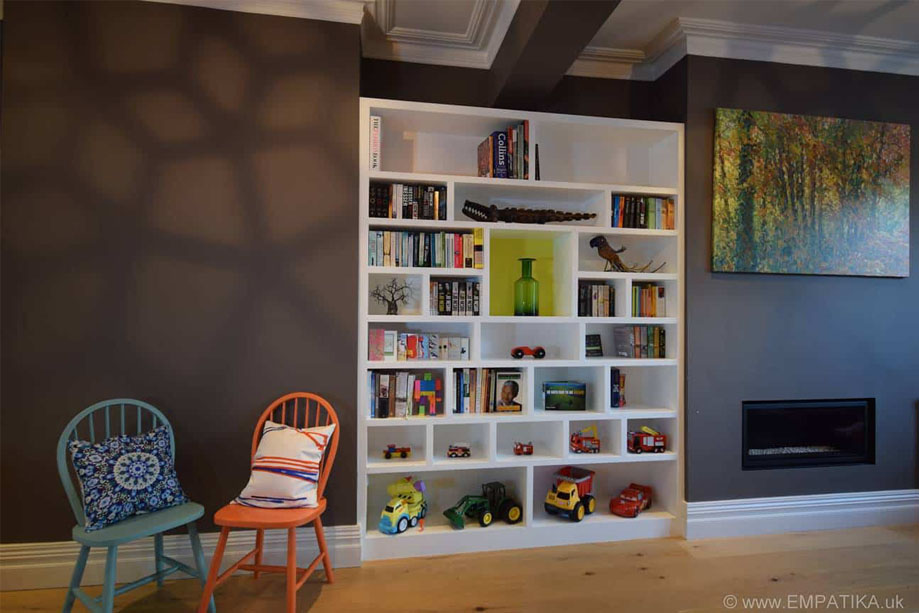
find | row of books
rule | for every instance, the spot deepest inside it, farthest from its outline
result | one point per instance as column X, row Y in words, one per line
column 505, row 153
column 405, row 393
column 395, row 346
column 649, row 300
column 640, row 341
column 487, row 390
column 408, row 249
column 454, row 297
column 399, row 201
column 648, row 212
column 617, row 384
column 596, row 299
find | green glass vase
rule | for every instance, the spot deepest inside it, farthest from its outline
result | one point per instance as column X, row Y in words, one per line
column 526, row 290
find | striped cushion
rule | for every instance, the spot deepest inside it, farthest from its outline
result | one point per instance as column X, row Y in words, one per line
column 286, row 467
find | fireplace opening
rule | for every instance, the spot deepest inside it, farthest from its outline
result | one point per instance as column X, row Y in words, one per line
column 798, row 433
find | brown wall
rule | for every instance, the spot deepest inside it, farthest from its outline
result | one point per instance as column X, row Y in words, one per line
column 179, row 225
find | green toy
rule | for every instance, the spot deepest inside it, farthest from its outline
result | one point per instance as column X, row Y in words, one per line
column 494, row 502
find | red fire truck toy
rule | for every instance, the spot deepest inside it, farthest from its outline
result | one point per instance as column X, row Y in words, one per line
column 631, row 501
column 585, row 441
column 523, row 448
column 647, row 440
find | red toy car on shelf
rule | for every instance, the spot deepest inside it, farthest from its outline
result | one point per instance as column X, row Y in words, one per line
column 393, row 450
column 631, row 501
column 523, row 448
column 537, row 352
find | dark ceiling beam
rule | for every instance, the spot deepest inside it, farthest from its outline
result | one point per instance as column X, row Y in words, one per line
column 543, row 40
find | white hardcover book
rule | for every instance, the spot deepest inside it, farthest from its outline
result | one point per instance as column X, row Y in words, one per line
column 464, row 348
column 376, row 125
column 389, row 345
column 443, row 347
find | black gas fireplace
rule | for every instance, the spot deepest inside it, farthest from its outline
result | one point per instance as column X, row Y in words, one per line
column 798, row 433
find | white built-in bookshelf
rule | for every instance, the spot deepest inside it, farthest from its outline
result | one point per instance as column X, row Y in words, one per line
column 584, row 161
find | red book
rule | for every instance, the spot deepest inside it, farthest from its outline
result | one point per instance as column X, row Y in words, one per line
column 375, row 345
column 411, row 347
column 457, row 250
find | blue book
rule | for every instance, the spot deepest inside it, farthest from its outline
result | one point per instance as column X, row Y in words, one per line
column 615, row 210
column 499, row 140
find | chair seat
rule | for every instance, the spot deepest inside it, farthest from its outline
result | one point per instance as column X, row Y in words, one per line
column 241, row 516
column 139, row 526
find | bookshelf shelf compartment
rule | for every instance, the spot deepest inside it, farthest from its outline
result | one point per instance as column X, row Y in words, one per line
column 547, row 439
column 560, row 341
column 585, row 161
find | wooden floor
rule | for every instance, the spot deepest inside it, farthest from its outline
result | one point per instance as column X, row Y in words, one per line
column 637, row 576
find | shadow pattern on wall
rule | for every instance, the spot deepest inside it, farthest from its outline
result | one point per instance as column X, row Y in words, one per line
column 178, row 225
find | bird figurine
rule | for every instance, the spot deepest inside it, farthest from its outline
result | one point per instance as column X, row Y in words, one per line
column 613, row 261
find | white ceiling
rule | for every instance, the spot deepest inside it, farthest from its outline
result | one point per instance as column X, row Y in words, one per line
column 635, row 23
column 640, row 40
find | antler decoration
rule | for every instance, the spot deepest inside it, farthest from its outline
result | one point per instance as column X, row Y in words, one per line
column 480, row 212
column 613, row 261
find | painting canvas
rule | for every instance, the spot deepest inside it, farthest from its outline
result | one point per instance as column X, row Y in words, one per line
column 796, row 194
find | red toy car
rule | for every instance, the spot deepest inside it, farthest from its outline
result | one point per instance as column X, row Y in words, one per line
column 523, row 448
column 631, row 501
column 393, row 450
column 537, row 352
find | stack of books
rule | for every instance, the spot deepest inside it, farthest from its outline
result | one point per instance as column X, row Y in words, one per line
column 648, row 212
column 640, row 341
column 649, row 300
column 406, row 393
column 487, row 390
column 407, row 249
column 399, row 201
column 395, row 346
column 454, row 297
column 505, row 153
column 596, row 300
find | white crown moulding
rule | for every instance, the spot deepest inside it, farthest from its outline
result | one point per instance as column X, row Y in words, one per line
column 343, row 11
column 475, row 47
column 707, row 37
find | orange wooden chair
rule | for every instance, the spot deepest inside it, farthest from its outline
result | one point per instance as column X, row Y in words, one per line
column 315, row 411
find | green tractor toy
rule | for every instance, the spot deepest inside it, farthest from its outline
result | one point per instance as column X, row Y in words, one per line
column 493, row 502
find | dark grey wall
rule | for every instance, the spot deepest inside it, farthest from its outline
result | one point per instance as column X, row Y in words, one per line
column 762, row 337
column 179, row 221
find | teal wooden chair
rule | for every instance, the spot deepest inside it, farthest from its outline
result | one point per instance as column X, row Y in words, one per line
column 105, row 418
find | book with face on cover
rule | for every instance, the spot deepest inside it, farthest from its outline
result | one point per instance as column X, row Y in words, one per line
column 509, row 391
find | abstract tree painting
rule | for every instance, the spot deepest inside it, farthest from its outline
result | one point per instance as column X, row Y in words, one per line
column 797, row 194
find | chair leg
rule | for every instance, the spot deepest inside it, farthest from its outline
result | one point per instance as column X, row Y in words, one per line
column 259, row 545
column 291, row 570
column 324, row 550
column 76, row 578
column 158, row 556
column 214, row 571
column 199, row 560
column 108, row 587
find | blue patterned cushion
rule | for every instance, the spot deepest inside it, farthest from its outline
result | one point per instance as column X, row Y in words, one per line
column 126, row 475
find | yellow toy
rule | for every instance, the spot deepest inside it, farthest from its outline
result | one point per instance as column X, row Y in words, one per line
column 570, row 495
column 406, row 506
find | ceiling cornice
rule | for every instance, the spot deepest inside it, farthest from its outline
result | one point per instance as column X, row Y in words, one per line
column 344, row 11
column 476, row 47
column 706, row 37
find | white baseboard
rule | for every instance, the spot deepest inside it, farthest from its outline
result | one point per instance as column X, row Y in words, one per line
column 28, row 566
column 752, row 516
